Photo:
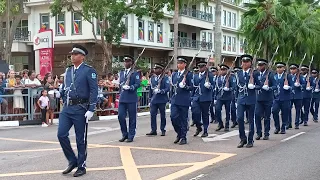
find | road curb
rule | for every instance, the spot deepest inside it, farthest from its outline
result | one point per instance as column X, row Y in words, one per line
column 56, row 121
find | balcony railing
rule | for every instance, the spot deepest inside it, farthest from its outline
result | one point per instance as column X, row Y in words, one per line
column 21, row 34
column 192, row 44
column 196, row 14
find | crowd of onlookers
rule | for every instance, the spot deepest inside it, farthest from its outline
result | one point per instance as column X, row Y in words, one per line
column 26, row 87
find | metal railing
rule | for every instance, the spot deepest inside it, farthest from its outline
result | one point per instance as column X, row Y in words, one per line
column 201, row 15
column 21, row 34
column 21, row 104
column 192, row 44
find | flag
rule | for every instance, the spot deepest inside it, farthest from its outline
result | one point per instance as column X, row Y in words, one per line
column 61, row 28
column 75, row 27
column 160, row 37
column 141, row 35
column 43, row 27
column 150, row 36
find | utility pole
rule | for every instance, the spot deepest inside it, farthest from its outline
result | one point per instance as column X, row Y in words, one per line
column 8, row 27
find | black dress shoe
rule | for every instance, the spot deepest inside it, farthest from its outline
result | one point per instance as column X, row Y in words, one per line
column 276, row 131
column 152, row 133
column 163, row 133
column 219, row 127
column 246, row 121
column 234, row 125
column 177, row 140
column 305, row 124
column 212, row 120
column 69, row 169
column 316, row 121
column 266, row 138
column 242, row 143
column 301, row 122
column 226, row 129
column 215, row 122
column 204, row 135
column 183, row 142
column 198, row 131
column 79, row 172
column 192, row 124
column 289, row 127
column 297, row 127
column 249, row 145
column 258, row 137
column 129, row 140
column 282, row 132
column 123, row 139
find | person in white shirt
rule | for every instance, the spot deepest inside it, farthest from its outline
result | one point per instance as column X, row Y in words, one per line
column 44, row 105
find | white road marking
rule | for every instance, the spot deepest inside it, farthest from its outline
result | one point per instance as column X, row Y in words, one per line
column 222, row 137
column 199, row 177
column 288, row 138
column 100, row 130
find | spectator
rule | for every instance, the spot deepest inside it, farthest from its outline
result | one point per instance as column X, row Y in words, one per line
column 39, row 77
column 101, row 99
column 115, row 81
column 11, row 81
column 18, row 103
column 51, row 87
column 43, row 103
column 3, row 102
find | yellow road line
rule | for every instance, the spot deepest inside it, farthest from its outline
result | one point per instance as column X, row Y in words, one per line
column 30, row 150
column 196, row 167
column 57, row 171
column 130, row 167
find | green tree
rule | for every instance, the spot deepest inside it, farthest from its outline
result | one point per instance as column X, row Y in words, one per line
column 11, row 13
column 293, row 25
column 110, row 13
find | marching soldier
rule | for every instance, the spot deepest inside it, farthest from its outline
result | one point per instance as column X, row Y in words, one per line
column 246, row 100
column 282, row 98
column 214, row 72
column 265, row 90
column 79, row 93
column 314, row 109
column 307, row 95
column 202, row 98
column 296, row 94
column 158, row 99
column 233, row 108
column 224, row 91
column 129, row 83
column 180, row 100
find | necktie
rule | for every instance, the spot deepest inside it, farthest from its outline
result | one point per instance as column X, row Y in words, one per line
column 179, row 74
column 75, row 71
column 279, row 76
column 246, row 75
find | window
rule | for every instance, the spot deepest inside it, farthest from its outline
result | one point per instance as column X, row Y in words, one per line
column 233, row 44
column 76, row 23
column 160, row 33
column 224, row 42
column 182, row 34
column 44, row 21
column 150, row 31
column 125, row 35
column 234, row 20
column 22, row 27
column 229, row 43
column 141, row 29
column 241, row 45
column 203, row 38
column 224, row 17
column 60, row 24
column 214, row 14
column 210, row 37
column 229, row 19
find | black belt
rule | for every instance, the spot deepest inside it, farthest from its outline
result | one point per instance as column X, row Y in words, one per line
column 77, row 101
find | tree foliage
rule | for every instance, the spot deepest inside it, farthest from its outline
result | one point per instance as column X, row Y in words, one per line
column 293, row 25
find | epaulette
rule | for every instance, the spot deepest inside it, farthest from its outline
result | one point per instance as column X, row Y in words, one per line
column 88, row 65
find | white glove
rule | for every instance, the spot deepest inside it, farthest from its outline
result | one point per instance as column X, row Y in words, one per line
column 126, row 87
column 182, row 85
column 265, row 87
column 316, row 90
column 296, row 84
column 88, row 115
column 286, row 87
column 215, row 102
column 226, row 89
column 156, row 91
column 207, row 85
column 149, row 104
column 308, row 88
column 251, row 86
column 236, row 105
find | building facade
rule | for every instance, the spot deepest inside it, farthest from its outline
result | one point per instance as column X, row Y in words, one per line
column 196, row 30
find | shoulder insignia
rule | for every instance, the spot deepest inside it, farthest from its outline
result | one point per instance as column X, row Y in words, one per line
column 137, row 77
column 167, row 81
column 93, row 75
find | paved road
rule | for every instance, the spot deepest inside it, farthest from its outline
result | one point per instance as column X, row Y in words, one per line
column 33, row 153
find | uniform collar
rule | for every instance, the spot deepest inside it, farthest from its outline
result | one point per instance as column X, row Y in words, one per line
column 247, row 71
column 280, row 74
column 78, row 66
column 127, row 70
column 181, row 72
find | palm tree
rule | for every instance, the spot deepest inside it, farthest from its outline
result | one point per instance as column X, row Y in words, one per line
column 217, row 33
